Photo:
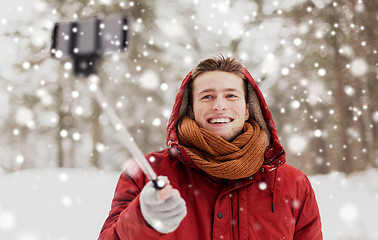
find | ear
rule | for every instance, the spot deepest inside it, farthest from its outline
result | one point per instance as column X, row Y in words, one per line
column 246, row 117
column 190, row 112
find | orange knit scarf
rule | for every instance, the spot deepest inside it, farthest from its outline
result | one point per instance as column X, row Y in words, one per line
column 230, row 160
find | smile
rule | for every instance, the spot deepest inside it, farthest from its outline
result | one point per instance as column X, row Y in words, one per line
column 220, row 120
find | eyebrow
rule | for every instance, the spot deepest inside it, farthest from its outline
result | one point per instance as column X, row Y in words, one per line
column 207, row 90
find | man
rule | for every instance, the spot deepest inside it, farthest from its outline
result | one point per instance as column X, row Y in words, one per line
column 226, row 176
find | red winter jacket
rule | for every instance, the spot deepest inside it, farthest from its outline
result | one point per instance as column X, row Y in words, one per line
column 277, row 202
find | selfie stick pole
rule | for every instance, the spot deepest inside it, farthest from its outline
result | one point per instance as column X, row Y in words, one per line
column 126, row 138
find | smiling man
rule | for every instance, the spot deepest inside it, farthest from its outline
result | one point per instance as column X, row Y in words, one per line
column 219, row 106
column 227, row 176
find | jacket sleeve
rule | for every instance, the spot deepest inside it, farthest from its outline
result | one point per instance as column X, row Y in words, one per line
column 125, row 220
column 308, row 226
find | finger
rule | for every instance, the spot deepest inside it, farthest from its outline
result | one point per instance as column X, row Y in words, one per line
column 165, row 192
column 173, row 203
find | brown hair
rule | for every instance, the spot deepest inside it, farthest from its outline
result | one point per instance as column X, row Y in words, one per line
column 221, row 63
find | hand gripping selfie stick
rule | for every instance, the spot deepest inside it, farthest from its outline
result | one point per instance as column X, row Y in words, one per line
column 85, row 42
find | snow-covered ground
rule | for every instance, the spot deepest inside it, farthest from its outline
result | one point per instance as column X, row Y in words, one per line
column 348, row 205
column 72, row 204
column 55, row 204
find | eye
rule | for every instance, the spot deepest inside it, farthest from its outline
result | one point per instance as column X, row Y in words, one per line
column 206, row 97
column 231, row 95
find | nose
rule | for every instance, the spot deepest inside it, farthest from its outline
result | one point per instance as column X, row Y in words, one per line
column 219, row 104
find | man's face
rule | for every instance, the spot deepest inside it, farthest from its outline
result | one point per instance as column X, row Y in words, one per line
column 219, row 104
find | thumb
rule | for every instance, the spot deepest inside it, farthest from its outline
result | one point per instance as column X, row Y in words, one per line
column 165, row 192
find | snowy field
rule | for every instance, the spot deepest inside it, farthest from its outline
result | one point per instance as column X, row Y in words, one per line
column 72, row 204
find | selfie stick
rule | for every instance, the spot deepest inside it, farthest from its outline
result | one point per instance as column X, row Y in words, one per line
column 125, row 136
column 84, row 66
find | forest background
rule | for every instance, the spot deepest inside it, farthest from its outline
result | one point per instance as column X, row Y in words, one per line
column 314, row 60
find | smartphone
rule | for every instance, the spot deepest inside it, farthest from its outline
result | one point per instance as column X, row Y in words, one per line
column 89, row 38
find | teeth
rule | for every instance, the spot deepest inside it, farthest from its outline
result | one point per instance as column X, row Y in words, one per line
column 220, row 120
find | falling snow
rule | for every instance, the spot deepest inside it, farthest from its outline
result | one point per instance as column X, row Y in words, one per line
column 318, row 133
column 297, row 143
column 149, row 80
column 349, row 90
column 262, row 186
column 348, row 212
column 275, row 52
column 359, row 67
column 322, row 72
column 24, row 116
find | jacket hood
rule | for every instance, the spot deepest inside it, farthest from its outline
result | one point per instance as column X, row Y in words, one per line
column 259, row 111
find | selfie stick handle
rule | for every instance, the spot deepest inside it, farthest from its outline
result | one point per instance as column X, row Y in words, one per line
column 127, row 139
